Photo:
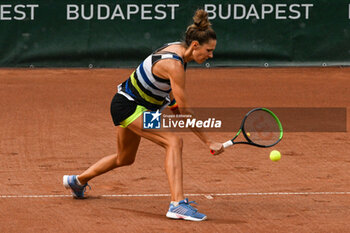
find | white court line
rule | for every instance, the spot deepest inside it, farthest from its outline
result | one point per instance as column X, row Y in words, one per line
column 207, row 195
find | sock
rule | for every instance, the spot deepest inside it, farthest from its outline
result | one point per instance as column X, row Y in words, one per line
column 175, row 203
column 78, row 182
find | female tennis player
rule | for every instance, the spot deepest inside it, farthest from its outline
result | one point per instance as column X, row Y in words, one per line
column 157, row 82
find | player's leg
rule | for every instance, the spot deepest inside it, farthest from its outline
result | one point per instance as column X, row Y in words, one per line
column 180, row 208
column 127, row 145
column 127, row 142
column 173, row 161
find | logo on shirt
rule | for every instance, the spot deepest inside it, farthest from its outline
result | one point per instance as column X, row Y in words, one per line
column 151, row 120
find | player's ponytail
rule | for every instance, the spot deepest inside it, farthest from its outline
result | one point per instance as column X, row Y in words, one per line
column 200, row 30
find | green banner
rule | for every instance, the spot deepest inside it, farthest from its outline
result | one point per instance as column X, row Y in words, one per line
column 122, row 33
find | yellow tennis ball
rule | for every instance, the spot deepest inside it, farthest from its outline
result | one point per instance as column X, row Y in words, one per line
column 248, row 134
column 275, row 155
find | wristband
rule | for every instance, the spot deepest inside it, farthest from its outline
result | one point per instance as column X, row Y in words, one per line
column 174, row 107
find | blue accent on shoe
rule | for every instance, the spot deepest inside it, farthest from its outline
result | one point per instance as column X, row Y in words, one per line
column 185, row 211
column 72, row 183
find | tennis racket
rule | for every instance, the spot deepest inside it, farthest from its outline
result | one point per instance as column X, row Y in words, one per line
column 260, row 127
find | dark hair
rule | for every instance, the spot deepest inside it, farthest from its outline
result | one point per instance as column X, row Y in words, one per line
column 200, row 30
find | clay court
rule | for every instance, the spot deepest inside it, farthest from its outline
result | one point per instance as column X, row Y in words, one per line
column 56, row 122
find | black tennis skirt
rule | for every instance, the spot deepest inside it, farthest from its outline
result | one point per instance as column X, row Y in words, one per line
column 121, row 108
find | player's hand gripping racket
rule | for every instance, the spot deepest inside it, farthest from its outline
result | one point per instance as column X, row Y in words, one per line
column 260, row 127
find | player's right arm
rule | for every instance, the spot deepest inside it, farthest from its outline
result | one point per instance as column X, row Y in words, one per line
column 174, row 71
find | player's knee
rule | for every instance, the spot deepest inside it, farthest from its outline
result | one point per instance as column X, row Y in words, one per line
column 175, row 142
column 124, row 161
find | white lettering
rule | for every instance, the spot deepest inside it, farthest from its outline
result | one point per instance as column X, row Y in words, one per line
column 181, row 124
column 172, row 122
column 265, row 11
column 149, row 125
column 280, row 11
column 32, row 6
column 258, row 11
column 211, row 9
column 252, row 12
column 99, row 12
column 307, row 10
column 91, row 12
column 235, row 10
column 157, row 10
column 228, row 12
column 72, row 9
column 4, row 12
column 206, row 124
column 144, row 11
column 291, row 9
column 132, row 12
column 190, row 123
column 20, row 12
column 117, row 13
column 164, row 125
column 199, row 124
column 172, row 6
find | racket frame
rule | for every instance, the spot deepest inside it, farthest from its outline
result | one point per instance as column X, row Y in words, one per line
column 250, row 142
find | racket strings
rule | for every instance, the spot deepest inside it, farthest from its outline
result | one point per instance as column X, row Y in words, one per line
column 262, row 128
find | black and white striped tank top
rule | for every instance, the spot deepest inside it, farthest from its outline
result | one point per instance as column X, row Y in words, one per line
column 144, row 87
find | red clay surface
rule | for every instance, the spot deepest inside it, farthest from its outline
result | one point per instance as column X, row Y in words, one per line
column 56, row 122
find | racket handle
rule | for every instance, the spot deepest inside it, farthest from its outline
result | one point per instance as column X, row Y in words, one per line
column 224, row 145
column 227, row 144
